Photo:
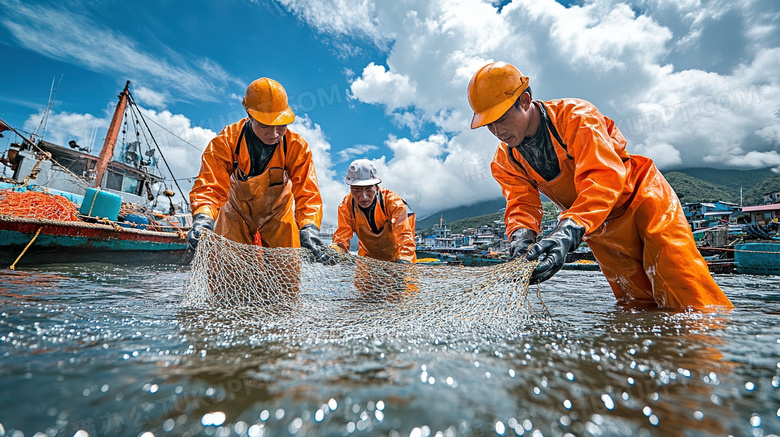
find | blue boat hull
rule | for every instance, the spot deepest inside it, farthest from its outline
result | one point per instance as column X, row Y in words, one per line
column 67, row 242
column 757, row 258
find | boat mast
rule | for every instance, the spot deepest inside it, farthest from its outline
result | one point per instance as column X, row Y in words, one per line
column 107, row 152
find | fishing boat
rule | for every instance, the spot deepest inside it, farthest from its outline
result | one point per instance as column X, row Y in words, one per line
column 758, row 257
column 63, row 204
column 442, row 257
column 483, row 260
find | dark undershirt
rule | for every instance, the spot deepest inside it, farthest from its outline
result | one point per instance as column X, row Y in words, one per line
column 259, row 153
column 369, row 212
column 539, row 151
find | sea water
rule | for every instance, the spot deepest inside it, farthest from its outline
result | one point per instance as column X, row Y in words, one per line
column 105, row 350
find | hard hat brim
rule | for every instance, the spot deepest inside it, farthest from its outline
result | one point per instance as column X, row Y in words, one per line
column 492, row 114
column 273, row 118
column 366, row 183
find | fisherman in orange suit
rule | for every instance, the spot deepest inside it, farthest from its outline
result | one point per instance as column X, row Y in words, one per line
column 380, row 218
column 257, row 176
column 618, row 203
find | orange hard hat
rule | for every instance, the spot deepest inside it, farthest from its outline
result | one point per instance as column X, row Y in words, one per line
column 493, row 90
column 266, row 101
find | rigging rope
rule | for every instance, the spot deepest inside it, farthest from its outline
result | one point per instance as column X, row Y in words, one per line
column 181, row 192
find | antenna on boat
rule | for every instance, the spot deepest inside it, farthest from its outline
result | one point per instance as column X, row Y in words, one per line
column 157, row 146
column 45, row 119
column 92, row 137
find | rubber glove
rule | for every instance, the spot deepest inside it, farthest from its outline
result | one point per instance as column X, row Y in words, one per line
column 566, row 237
column 310, row 239
column 521, row 240
column 200, row 222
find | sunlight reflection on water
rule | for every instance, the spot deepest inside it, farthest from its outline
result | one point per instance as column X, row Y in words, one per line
column 107, row 350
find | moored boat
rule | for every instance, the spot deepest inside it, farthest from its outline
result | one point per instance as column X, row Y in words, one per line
column 58, row 241
column 64, row 205
column 473, row 260
column 757, row 257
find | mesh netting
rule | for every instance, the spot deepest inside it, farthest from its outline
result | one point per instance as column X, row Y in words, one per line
column 37, row 205
column 283, row 291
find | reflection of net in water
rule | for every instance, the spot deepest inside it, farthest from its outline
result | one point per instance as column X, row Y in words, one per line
column 282, row 291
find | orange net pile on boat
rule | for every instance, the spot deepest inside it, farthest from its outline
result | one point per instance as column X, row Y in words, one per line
column 36, row 205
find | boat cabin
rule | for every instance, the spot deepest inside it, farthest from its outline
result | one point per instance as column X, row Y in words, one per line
column 71, row 171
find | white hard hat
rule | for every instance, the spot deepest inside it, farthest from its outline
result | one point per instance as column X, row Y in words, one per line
column 362, row 173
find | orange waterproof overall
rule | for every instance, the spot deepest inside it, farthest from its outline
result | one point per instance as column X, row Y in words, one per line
column 395, row 239
column 262, row 203
column 633, row 220
column 274, row 204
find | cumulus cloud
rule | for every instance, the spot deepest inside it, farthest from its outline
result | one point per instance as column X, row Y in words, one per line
column 689, row 83
column 151, row 97
column 355, row 151
column 180, row 142
column 62, row 127
column 344, row 20
column 377, row 85
column 331, row 189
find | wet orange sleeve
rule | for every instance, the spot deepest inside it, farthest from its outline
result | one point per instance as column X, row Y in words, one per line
column 523, row 203
column 305, row 188
column 599, row 172
column 346, row 225
column 210, row 190
column 401, row 225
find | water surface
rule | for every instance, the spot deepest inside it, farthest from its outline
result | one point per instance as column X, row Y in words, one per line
column 105, row 350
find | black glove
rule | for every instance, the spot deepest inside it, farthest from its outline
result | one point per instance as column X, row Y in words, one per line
column 566, row 237
column 402, row 261
column 200, row 222
column 522, row 239
column 310, row 239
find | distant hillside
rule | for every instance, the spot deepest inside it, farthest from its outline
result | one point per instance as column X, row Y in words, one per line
column 728, row 180
column 474, row 222
column 690, row 189
column 461, row 212
column 755, row 195
column 550, row 212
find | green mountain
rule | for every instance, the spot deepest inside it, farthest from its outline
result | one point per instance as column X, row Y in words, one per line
column 729, row 180
column 474, row 222
column 461, row 212
column 692, row 185
column 690, row 189
column 550, row 212
column 755, row 195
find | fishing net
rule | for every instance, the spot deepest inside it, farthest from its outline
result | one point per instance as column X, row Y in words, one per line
column 36, row 205
column 284, row 292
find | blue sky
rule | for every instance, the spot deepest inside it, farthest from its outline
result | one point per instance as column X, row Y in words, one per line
column 690, row 83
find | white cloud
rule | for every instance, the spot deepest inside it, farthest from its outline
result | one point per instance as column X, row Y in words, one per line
column 342, row 19
column 755, row 160
column 377, row 85
column 690, row 83
column 181, row 143
column 151, row 97
column 666, row 155
column 67, row 36
column 60, row 128
column 331, row 189
column 355, row 152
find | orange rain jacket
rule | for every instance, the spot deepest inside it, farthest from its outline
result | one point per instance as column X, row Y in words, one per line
column 395, row 239
column 634, row 222
column 263, row 203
